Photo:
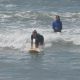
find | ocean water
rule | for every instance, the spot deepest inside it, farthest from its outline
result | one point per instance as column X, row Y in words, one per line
column 60, row 59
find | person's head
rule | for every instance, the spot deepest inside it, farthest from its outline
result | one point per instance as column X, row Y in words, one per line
column 34, row 33
column 57, row 17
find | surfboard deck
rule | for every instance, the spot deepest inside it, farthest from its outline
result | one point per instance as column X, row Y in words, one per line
column 34, row 50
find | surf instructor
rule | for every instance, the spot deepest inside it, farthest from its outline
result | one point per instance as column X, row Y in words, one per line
column 39, row 39
column 57, row 24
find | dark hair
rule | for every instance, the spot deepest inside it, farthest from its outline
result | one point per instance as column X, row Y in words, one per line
column 34, row 31
column 57, row 16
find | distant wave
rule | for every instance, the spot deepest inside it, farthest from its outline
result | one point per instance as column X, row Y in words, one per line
column 28, row 14
column 38, row 17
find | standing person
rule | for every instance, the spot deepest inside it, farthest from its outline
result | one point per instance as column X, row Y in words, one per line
column 57, row 24
column 39, row 39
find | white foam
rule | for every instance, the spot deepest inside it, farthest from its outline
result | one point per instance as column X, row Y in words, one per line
column 17, row 38
column 21, row 38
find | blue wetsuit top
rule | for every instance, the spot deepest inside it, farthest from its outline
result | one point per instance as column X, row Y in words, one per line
column 57, row 25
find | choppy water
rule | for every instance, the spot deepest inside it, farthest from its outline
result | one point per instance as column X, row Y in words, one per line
column 60, row 59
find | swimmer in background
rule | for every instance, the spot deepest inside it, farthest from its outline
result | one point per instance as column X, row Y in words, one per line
column 57, row 24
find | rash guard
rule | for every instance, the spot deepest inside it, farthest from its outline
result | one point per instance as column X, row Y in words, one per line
column 57, row 25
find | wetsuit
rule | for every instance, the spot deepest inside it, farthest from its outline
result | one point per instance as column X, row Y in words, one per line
column 39, row 39
column 57, row 26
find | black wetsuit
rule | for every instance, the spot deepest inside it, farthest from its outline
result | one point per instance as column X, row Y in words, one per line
column 39, row 39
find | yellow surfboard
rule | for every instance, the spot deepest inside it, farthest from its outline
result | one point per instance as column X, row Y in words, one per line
column 34, row 50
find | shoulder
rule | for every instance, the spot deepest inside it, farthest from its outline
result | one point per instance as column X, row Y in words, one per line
column 38, row 34
column 53, row 21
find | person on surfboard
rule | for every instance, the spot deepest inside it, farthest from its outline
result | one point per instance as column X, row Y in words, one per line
column 39, row 39
column 57, row 24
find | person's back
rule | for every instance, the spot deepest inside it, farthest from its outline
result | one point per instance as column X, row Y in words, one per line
column 38, row 37
column 57, row 25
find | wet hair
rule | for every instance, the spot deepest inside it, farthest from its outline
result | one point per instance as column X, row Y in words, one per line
column 57, row 17
column 34, row 31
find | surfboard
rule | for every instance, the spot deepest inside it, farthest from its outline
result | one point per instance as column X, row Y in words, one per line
column 34, row 50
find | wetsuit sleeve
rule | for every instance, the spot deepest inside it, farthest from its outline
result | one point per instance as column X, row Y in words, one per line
column 31, row 41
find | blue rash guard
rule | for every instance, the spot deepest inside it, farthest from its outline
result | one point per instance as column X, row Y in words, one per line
column 57, row 26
